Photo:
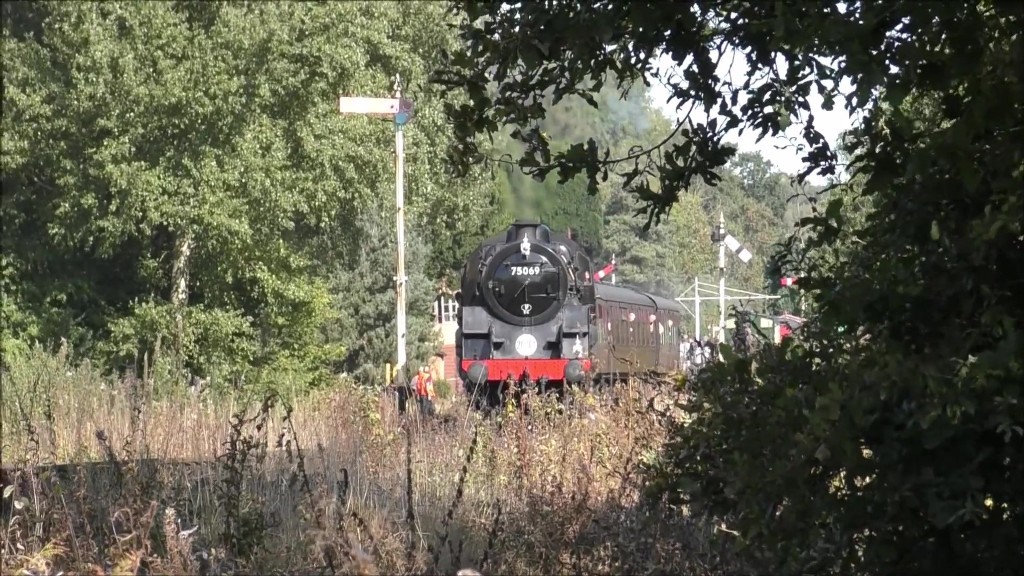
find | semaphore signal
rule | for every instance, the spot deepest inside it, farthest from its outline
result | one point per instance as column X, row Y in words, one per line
column 738, row 249
column 725, row 240
column 400, row 110
column 608, row 269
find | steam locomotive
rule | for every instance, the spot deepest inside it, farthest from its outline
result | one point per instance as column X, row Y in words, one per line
column 532, row 314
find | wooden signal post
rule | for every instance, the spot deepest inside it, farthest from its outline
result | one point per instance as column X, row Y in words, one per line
column 400, row 110
column 720, row 237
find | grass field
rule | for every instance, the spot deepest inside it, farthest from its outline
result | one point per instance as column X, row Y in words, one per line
column 330, row 483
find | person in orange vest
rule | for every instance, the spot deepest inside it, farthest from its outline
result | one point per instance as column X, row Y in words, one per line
column 424, row 387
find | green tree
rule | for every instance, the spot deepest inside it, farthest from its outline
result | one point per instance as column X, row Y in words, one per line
column 664, row 259
column 532, row 51
column 621, row 123
column 179, row 162
column 363, row 288
column 762, row 182
column 887, row 437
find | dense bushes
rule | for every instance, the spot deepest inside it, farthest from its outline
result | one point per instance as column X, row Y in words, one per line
column 887, row 438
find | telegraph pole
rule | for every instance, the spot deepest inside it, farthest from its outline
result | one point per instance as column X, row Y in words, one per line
column 401, row 111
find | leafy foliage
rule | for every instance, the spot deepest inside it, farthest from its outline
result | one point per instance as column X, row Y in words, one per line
column 666, row 258
column 887, row 437
column 187, row 159
column 604, row 221
column 364, row 288
column 532, row 51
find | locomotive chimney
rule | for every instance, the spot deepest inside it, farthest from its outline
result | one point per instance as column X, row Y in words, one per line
column 536, row 232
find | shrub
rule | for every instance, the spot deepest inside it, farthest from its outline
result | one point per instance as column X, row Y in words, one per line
column 443, row 388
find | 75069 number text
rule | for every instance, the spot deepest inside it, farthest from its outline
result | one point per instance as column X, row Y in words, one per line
column 524, row 270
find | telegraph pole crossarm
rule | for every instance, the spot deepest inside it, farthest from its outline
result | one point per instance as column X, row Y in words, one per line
column 703, row 291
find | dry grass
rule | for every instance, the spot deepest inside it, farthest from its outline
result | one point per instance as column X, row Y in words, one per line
column 337, row 483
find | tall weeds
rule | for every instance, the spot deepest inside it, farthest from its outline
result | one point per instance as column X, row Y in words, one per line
column 101, row 479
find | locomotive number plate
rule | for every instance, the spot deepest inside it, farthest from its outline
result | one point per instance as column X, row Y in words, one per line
column 524, row 270
column 526, row 344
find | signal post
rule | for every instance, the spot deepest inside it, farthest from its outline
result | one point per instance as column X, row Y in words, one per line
column 400, row 111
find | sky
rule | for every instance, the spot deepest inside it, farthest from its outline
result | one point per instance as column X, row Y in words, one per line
column 830, row 123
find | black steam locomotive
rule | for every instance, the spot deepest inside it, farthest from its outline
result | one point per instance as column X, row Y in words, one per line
column 531, row 313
